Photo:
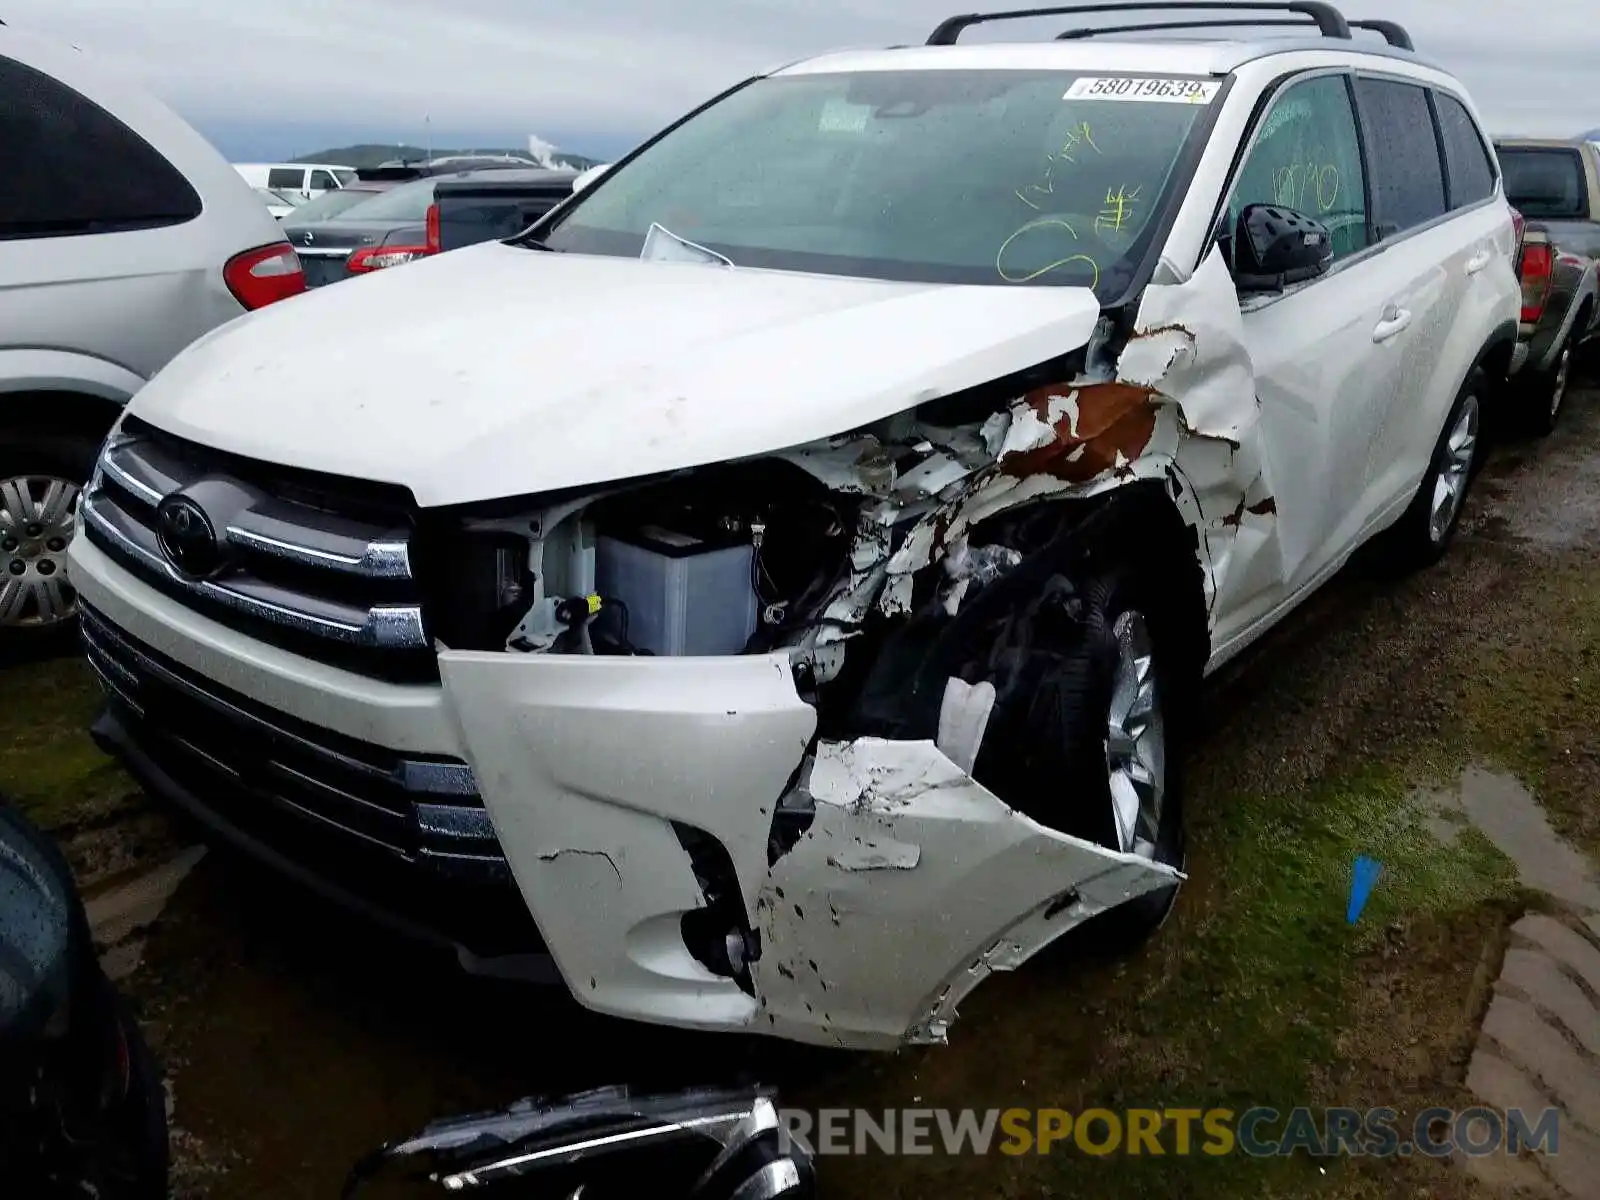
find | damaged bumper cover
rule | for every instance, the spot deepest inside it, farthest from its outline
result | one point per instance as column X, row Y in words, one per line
column 910, row 884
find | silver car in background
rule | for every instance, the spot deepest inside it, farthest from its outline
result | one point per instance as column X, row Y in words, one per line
column 124, row 236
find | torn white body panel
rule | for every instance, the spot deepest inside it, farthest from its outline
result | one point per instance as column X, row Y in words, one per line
column 913, row 885
column 585, row 762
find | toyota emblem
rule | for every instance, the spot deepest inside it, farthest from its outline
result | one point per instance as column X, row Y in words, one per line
column 187, row 537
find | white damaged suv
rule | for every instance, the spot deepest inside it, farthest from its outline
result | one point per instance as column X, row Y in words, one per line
column 765, row 594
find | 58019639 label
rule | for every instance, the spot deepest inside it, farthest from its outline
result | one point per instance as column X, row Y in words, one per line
column 1160, row 91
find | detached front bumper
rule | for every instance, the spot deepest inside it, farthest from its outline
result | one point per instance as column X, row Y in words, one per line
column 624, row 794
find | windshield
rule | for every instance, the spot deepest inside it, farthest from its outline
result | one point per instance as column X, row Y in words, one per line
column 1544, row 181
column 331, row 204
column 271, row 196
column 405, row 202
column 986, row 177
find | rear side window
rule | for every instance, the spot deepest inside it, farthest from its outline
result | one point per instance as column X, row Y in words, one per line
column 1544, row 181
column 286, row 177
column 1402, row 155
column 1469, row 169
column 70, row 167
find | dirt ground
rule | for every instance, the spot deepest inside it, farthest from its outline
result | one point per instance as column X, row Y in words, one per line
column 295, row 1041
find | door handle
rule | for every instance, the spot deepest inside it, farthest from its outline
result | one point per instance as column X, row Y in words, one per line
column 1478, row 262
column 1394, row 320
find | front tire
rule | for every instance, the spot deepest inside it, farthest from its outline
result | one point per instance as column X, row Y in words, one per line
column 1114, row 711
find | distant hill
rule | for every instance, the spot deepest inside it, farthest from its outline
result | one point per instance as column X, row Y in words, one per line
column 371, row 154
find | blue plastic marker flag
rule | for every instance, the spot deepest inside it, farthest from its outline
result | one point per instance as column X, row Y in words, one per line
column 1362, row 880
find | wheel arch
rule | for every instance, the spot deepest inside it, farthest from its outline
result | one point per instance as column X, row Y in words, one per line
column 85, row 393
column 1494, row 357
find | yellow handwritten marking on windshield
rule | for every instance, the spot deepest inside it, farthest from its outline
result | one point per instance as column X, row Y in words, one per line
column 1118, row 210
column 1079, row 135
column 1041, row 223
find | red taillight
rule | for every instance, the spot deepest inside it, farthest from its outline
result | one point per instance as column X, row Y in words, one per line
column 1536, row 267
column 258, row 277
column 376, row 258
column 433, row 229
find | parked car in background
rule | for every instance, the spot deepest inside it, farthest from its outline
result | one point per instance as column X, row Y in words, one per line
column 420, row 217
column 768, row 594
column 306, row 179
column 385, row 228
column 280, row 204
column 331, row 204
column 484, row 205
column 446, row 163
column 1555, row 187
column 124, row 236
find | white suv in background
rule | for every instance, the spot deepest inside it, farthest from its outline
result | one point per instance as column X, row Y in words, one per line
column 123, row 237
column 766, row 593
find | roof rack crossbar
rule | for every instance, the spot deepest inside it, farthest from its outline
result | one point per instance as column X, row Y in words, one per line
column 1329, row 20
column 1072, row 35
column 1393, row 32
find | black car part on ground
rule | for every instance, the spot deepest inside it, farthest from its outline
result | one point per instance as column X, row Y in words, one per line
column 699, row 1144
column 82, row 1110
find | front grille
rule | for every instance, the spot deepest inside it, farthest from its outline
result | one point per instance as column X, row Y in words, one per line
column 407, row 833
column 319, row 565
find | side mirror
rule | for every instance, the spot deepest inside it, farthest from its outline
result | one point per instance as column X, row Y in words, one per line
column 589, row 176
column 1274, row 246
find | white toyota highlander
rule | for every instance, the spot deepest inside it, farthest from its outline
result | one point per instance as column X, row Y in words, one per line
column 767, row 593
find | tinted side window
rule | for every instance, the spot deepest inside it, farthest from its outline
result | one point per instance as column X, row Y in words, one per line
column 323, row 180
column 70, row 167
column 1402, row 155
column 1471, row 172
column 1544, row 182
column 286, row 177
column 1307, row 157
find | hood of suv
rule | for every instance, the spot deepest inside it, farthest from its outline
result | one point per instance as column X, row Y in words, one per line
column 498, row 371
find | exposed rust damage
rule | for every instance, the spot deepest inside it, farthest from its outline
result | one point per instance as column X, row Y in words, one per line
column 1091, row 428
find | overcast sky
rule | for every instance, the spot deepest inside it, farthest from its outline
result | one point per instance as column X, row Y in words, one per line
column 607, row 72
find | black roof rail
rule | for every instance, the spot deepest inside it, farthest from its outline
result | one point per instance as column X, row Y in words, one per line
column 1329, row 20
column 1393, row 32
column 1072, row 35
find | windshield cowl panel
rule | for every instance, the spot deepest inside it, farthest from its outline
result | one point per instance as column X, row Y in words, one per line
column 997, row 177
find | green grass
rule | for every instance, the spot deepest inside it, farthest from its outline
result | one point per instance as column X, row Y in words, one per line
column 48, row 765
column 1532, row 701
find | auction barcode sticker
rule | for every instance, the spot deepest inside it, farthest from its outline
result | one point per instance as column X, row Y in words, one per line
column 1164, row 91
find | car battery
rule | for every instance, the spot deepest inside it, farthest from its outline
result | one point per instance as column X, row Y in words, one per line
column 685, row 595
